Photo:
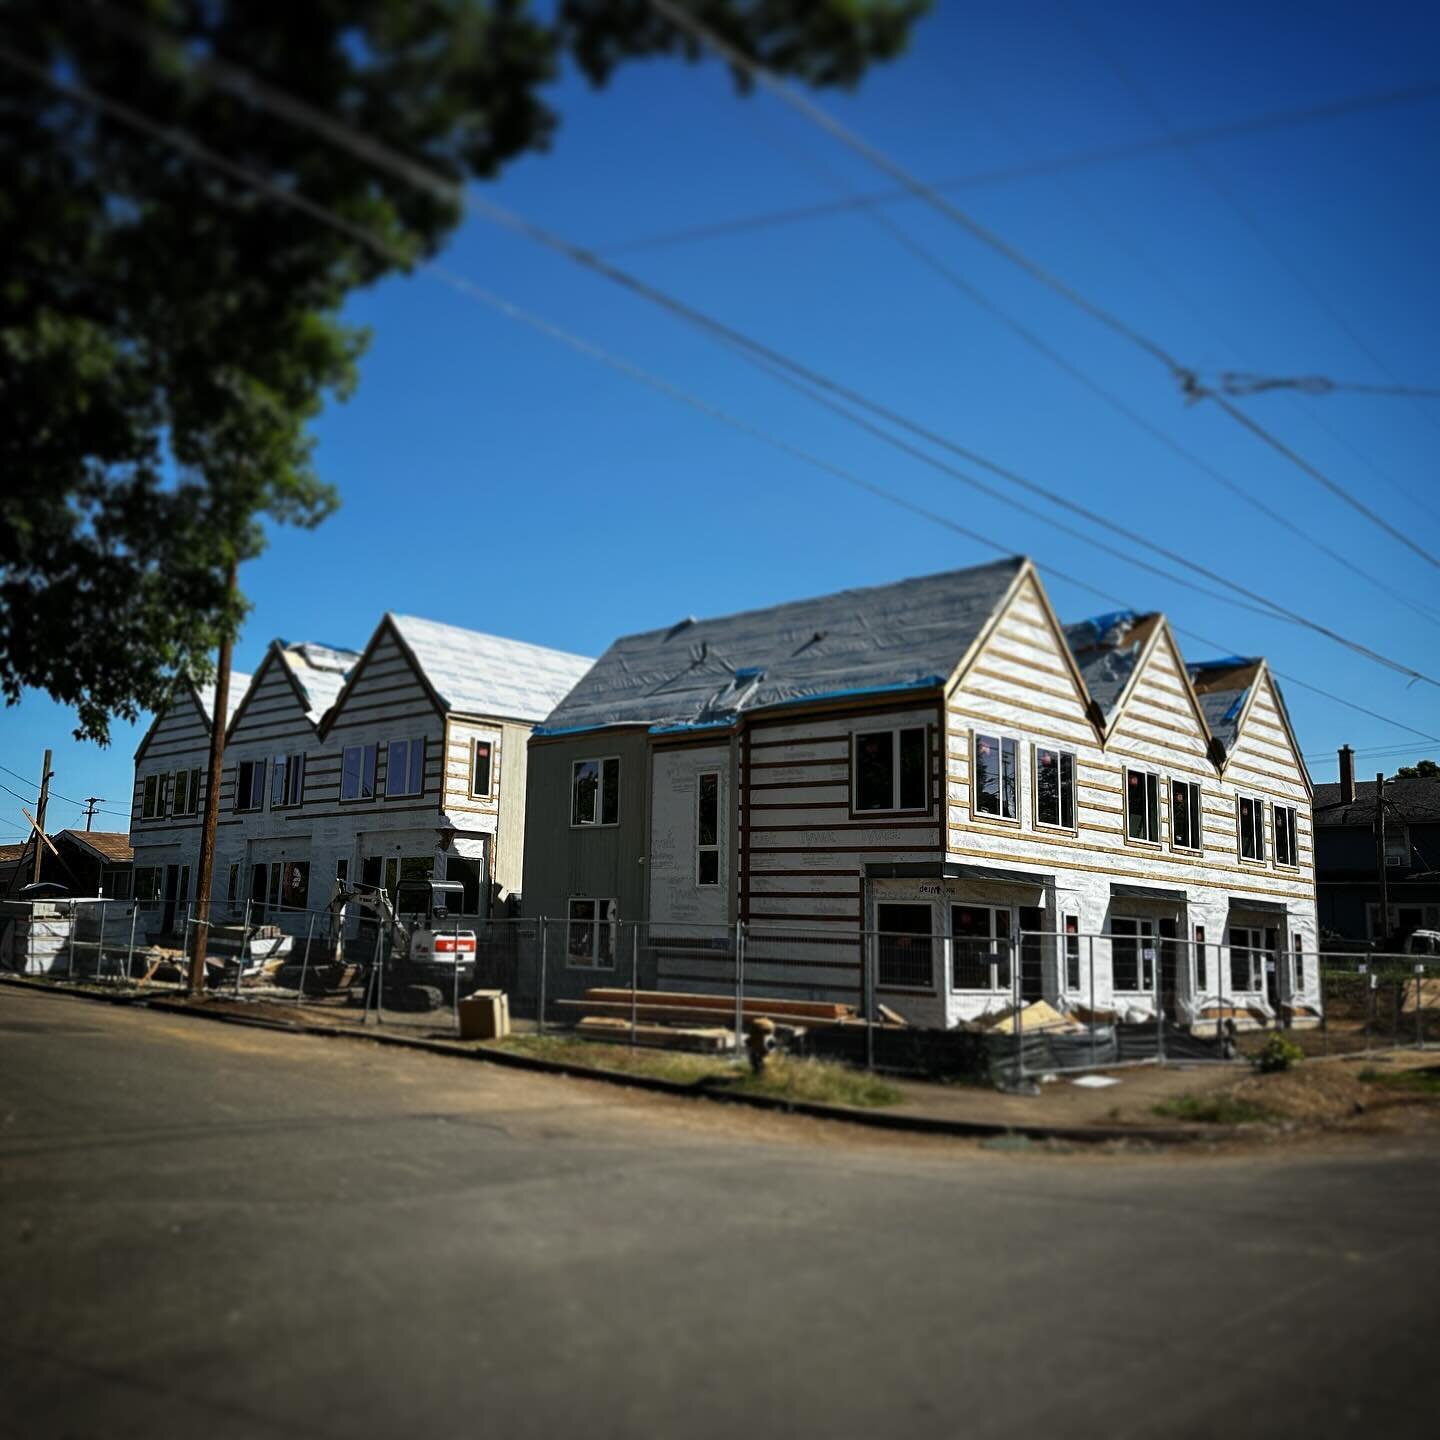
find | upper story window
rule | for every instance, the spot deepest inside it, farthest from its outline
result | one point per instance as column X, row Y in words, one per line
column 707, row 828
column 1287, row 851
column 1185, row 815
column 1252, row 828
column 995, row 776
column 595, row 792
column 287, row 781
column 482, row 765
column 888, row 770
column 1054, row 788
column 405, row 767
column 185, row 794
column 357, row 772
column 250, row 785
column 152, row 803
column 1142, row 806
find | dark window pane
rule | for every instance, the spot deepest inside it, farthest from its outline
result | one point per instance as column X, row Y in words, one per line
column 610, row 793
column 905, row 952
column 708, row 818
column 581, row 940
column 1010, row 778
column 912, row 770
column 709, row 868
column 1135, row 803
column 417, row 767
column 875, row 771
column 1152, row 807
column 1047, row 787
column 1125, row 953
column 480, row 777
column 586, row 789
column 985, row 780
column 1067, row 791
column 1247, row 829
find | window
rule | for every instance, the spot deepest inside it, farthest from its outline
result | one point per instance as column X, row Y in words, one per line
column 1202, row 965
column 250, row 785
column 595, row 792
column 1132, row 951
column 117, row 884
column 1072, row 952
column 1142, row 806
column 995, row 777
column 1185, row 815
column 149, row 884
column 1054, row 788
column 405, row 767
column 481, row 760
column 342, row 872
column 287, row 781
column 707, row 828
column 1298, row 941
column 1252, row 828
column 152, row 806
column 1249, row 949
column 357, row 772
column 889, row 770
column 980, row 948
column 1286, row 850
column 232, row 887
column 591, row 939
column 185, row 794
column 295, row 884
column 904, row 954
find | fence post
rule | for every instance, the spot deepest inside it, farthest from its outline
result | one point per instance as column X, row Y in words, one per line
column 305, row 960
column 1219, row 999
column 244, row 943
column 455, row 973
column 1093, row 1057
column 74, row 925
column 540, row 1002
column 130, row 951
column 634, row 977
column 739, row 986
column 1016, row 951
column 1159, row 963
column 868, row 969
column 100, row 945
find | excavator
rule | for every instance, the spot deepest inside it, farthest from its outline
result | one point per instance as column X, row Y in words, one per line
column 429, row 952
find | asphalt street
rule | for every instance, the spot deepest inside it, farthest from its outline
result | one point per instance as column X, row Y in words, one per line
column 214, row 1231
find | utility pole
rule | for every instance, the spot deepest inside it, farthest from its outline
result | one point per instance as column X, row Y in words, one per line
column 1380, row 858
column 45, row 773
column 212, row 803
column 91, row 801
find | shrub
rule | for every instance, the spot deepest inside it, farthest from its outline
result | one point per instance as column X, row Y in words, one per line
column 1276, row 1054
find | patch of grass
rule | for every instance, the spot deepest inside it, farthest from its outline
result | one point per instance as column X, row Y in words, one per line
column 1213, row 1110
column 824, row 1083
column 676, row 1065
column 1417, row 1082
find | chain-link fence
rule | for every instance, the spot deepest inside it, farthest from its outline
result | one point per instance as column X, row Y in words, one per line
column 984, row 1003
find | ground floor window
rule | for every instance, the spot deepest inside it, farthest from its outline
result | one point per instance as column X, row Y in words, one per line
column 904, row 952
column 116, row 884
column 1299, row 944
column 1132, row 951
column 590, row 940
column 1202, row 965
column 980, row 940
column 149, row 884
column 278, row 885
column 1072, row 952
column 1250, row 948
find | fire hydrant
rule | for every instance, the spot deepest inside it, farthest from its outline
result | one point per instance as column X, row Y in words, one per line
column 760, row 1042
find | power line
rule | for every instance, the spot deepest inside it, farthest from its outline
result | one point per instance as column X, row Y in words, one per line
column 251, row 88
column 1037, row 169
column 1236, row 383
column 1186, row 378
column 264, row 186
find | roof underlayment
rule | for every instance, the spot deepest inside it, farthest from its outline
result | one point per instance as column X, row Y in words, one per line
column 239, row 684
column 700, row 673
column 1222, row 687
column 477, row 674
column 1107, row 649
column 320, row 671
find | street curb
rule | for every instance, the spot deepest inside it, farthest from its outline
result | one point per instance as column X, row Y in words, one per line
column 873, row 1119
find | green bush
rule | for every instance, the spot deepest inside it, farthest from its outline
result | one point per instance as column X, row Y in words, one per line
column 1276, row 1054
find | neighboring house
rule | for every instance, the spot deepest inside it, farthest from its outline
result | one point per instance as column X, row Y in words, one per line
column 1348, row 858
column 13, row 860
column 941, row 761
column 405, row 760
column 91, row 862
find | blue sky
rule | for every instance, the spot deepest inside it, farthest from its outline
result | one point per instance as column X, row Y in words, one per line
column 494, row 479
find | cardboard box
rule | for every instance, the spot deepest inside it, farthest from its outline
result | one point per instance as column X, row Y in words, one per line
column 485, row 1015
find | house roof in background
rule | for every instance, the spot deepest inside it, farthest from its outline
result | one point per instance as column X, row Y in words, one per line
column 697, row 673
column 478, row 674
column 1107, row 650
column 113, row 847
column 9, row 854
column 1410, row 802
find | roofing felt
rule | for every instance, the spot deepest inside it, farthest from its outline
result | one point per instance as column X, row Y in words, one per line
column 110, row 845
column 239, row 684
column 1222, row 687
column 477, row 674
column 1413, row 802
column 1107, row 648
column 705, row 672
column 320, row 671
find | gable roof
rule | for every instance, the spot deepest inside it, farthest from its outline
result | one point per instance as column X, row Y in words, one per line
column 234, row 697
column 697, row 673
column 1223, row 687
column 477, row 674
column 1107, row 650
column 1413, row 802
column 318, row 672
column 113, row 847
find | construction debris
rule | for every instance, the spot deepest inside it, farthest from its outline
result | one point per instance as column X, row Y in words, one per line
column 1036, row 1016
column 716, row 1040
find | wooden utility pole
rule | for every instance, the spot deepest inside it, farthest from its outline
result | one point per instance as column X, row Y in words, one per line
column 1380, row 858
column 212, row 804
column 40, row 817
column 91, row 801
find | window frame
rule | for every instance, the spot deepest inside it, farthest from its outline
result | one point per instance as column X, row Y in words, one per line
column 1195, row 798
column 703, row 851
column 1061, row 756
column 409, row 742
column 1151, row 780
column 993, row 939
column 1002, row 738
column 155, row 889
column 493, row 745
column 599, row 920
column 1146, row 930
column 1290, row 828
column 598, row 822
column 881, row 935
column 256, row 768
column 1257, row 957
column 1257, row 804
column 190, row 789
column 368, row 751
column 284, row 769
column 927, row 765
column 151, row 791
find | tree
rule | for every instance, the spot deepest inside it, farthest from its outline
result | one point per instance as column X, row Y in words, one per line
column 1421, row 770
column 167, row 334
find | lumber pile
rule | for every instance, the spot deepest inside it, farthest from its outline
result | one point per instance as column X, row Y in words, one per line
column 713, row 1040
column 602, row 999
